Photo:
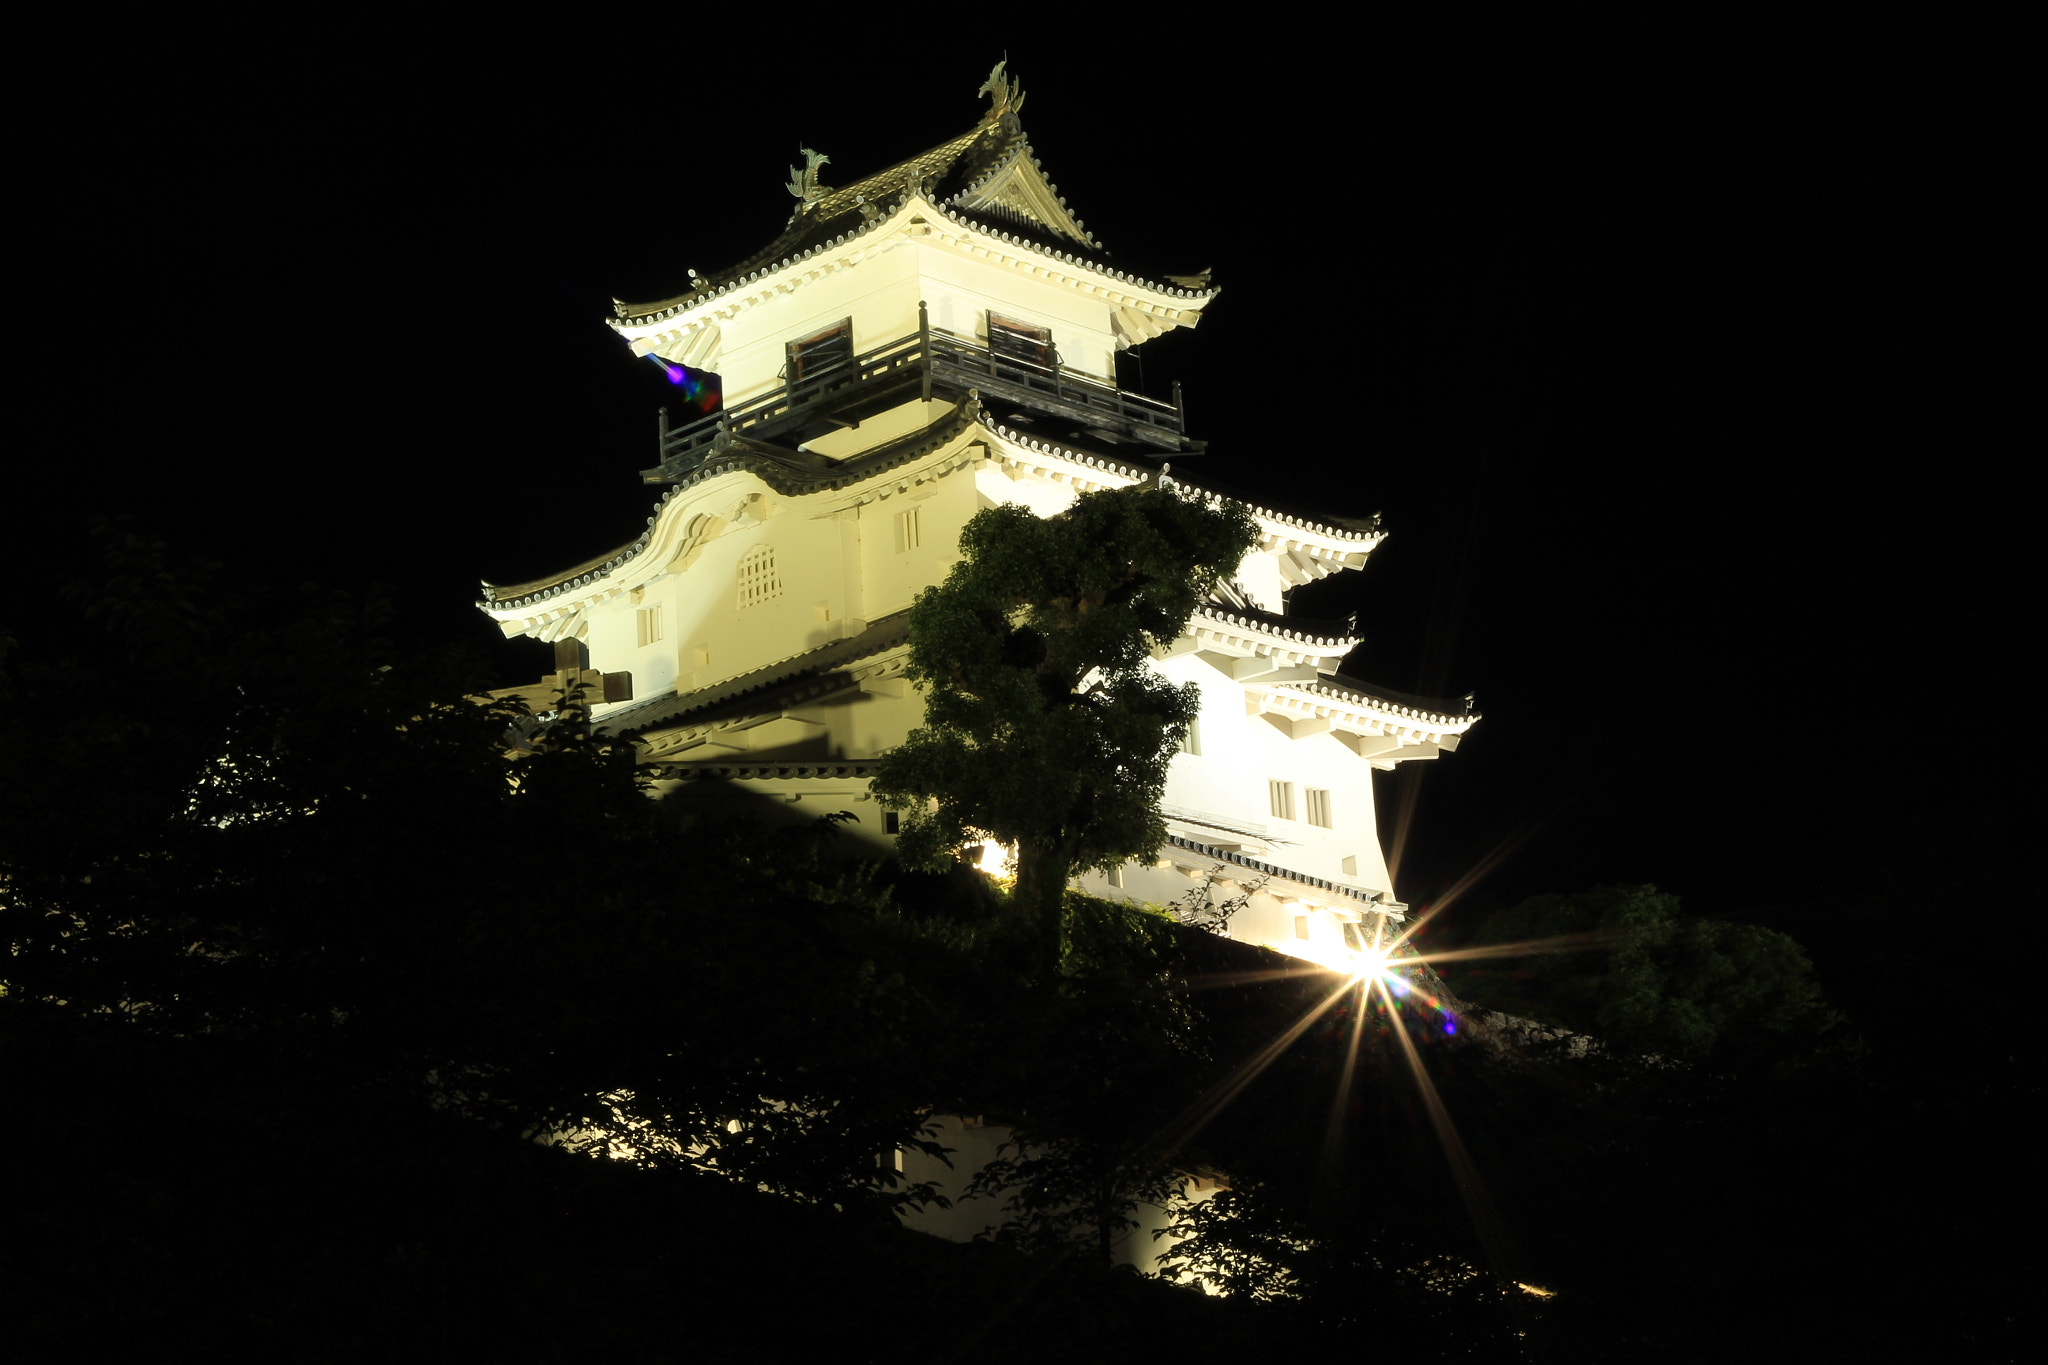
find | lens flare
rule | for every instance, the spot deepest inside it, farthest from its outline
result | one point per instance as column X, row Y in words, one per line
column 1369, row 965
column 702, row 389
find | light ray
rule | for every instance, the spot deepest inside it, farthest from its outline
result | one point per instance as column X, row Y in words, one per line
column 1478, row 1206
column 1340, row 1099
column 1563, row 943
column 1188, row 1124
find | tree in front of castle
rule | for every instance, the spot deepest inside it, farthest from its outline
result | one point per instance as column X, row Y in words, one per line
column 1045, row 729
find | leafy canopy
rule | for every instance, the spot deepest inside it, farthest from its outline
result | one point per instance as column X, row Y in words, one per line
column 1649, row 977
column 1044, row 726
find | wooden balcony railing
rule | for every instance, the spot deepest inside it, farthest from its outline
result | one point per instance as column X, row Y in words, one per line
column 929, row 361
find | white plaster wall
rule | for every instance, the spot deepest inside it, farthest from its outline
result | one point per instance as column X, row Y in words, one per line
column 864, row 724
column 880, row 429
column 1240, row 753
column 1260, row 576
column 881, row 296
column 960, row 292
column 891, row 578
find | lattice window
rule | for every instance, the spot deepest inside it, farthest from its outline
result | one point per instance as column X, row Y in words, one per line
column 1280, row 795
column 1191, row 742
column 758, row 579
column 647, row 624
column 1318, row 807
column 909, row 535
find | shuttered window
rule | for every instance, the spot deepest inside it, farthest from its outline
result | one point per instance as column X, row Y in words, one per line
column 1013, row 340
column 820, row 351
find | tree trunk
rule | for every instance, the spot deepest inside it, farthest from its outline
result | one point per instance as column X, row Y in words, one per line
column 1040, row 896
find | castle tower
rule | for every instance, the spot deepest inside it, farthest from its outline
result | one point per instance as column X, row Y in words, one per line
column 924, row 342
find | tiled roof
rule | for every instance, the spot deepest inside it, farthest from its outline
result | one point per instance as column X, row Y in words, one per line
column 1326, row 635
column 741, row 772
column 789, row 473
column 1225, row 855
column 1366, row 531
column 947, row 174
column 880, row 636
column 782, row 470
column 1431, row 710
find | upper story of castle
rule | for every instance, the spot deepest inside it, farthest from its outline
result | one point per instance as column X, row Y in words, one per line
column 960, row 268
column 928, row 341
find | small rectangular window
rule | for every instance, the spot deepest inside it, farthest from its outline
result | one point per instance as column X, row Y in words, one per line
column 1191, row 742
column 890, row 822
column 1013, row 340
column 1301, row 926
column 1281, row 797
column 647, row 624
column 821, row 351
column 1116, row 875
column 908, row 533
column 1318, row 807
column 1351, row 865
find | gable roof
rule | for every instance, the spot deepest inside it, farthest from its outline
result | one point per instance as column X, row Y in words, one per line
column 987, row 178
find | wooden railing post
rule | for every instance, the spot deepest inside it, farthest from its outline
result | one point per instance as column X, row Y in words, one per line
column 1180, row 414
column 924, row 351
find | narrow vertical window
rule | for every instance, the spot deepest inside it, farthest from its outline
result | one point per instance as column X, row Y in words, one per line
column 908, row 534
column 758, row 579
column 1116, row 875
column 1281, row 797
column 1318, row 807
column 647, row 624
column 1191, row 742
column 890, row 822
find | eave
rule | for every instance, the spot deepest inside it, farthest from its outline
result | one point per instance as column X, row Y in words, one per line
column 1139, row 307
column 1281, row 881
column 1382, row 731
column 545, row 607
column 551, row 608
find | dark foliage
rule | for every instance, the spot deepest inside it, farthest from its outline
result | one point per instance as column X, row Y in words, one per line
column 1626, row 965
column 1043, row 728
column 299, row 963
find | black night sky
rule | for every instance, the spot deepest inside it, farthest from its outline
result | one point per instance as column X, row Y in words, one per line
column 1674, row 379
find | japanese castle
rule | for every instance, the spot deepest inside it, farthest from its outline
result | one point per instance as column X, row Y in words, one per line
column 924, row 342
